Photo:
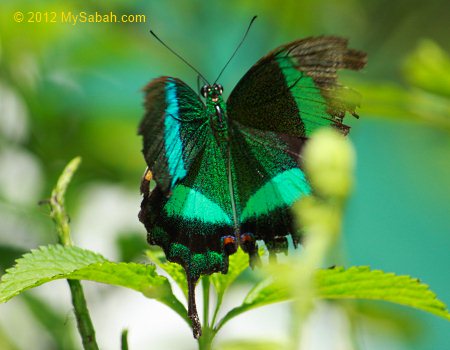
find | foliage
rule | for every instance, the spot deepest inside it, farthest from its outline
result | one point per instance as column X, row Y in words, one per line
column 300, row 281
column 357, row 282
column 54, row 262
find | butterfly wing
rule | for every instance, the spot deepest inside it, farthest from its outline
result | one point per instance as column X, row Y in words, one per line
column 191, row 224
column 189, row 220
column 278, row 103
column 189, row 212
column 294, row 89
column 267, row 181
column 173, row 130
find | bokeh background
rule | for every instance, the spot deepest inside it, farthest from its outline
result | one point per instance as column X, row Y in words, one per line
column 68, row 90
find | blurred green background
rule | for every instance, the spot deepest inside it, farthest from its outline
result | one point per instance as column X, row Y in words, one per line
column 68, row 90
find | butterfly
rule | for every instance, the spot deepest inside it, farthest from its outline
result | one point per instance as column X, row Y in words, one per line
column 227, row 173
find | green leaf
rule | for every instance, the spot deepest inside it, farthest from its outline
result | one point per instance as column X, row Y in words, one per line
column 357, row 282
column 44, row 265
column 175, row 271
column 360, row 282
column 57, row 262
column 237, row 264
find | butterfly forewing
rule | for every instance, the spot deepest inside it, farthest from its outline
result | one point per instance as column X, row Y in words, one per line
column 294, row 89
column 173, row 129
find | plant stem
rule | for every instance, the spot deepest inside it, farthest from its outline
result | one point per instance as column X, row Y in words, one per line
column 61, row 219
column 205, row 341
column 217, row 308
column 84, row 322
column 205, row 285
column 124, row 340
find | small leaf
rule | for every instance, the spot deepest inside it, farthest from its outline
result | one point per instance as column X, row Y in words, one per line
column 175, row 271
column 237, row 264
column 357, row 282
column 57, row 262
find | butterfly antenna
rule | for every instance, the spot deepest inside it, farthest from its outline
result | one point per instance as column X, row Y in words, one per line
column 237, row 48
column 179, row 56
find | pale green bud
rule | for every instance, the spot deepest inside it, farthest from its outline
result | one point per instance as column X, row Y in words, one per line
column 329, row 160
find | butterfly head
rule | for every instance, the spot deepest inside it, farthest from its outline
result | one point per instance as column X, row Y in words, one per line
column 212, row 91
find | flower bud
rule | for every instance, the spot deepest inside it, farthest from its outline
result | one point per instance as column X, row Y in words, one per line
column 329, row 160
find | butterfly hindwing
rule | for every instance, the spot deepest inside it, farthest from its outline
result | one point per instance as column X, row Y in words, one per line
column 294, row 89
column 267, row 182
column 198, row 214
column 191, row 222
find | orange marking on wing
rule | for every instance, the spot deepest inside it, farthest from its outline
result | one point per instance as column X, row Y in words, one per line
column 228, row 240
column 246, row 238
column 148, row 175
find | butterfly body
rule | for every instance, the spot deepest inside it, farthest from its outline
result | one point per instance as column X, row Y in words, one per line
column 227, row 173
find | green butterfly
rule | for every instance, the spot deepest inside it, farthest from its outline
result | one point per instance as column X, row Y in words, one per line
column 227, row 173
